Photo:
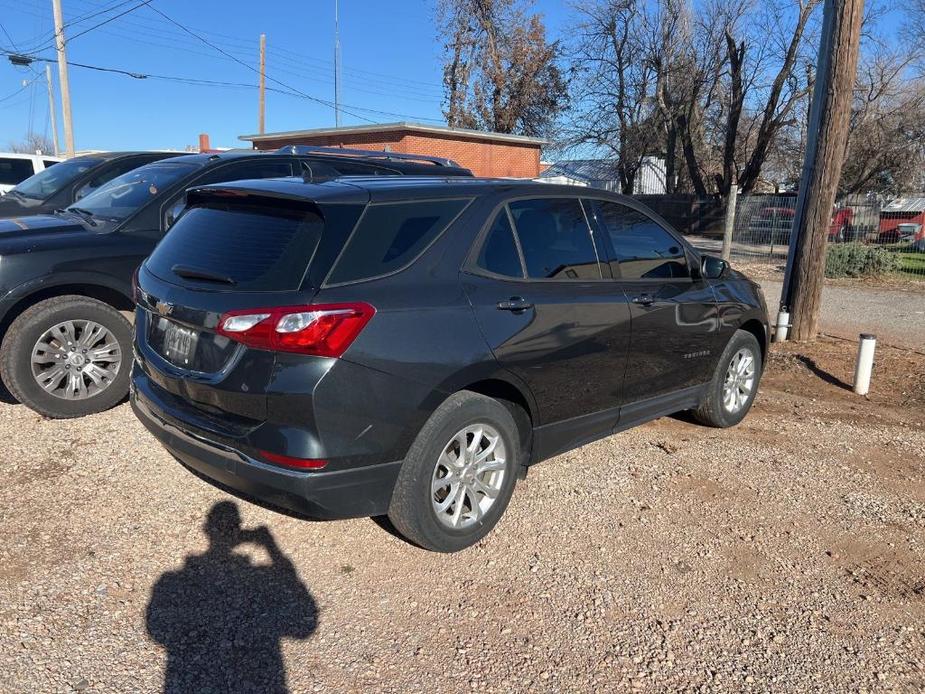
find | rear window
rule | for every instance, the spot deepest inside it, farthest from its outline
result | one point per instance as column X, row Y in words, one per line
column 241, row 247
column 13, row 171
column 391, row 235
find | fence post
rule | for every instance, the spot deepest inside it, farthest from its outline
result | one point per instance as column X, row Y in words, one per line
column 730, row 220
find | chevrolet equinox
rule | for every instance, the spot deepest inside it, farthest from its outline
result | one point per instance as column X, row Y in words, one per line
column 410, row 346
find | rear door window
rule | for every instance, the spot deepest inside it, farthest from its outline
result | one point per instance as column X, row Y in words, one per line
column 13, row 171
column 555, row 239
column 499, row 254
column 389, row 236
column 239, row 246
column 642, row 248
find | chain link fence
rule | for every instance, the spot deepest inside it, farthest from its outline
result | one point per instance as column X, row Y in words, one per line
column 867, row 234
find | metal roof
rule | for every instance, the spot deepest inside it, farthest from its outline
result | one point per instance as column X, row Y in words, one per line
column 584, row 170
column 401, row 125
column 907, row 203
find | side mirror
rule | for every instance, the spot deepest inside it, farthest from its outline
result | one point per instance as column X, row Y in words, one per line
column 712, row 268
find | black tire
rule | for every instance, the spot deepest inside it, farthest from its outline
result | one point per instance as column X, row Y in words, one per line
column 411, row 509
column 31, row 324
column 712, row 411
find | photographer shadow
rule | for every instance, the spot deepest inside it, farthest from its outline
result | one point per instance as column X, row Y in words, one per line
column 222, row 617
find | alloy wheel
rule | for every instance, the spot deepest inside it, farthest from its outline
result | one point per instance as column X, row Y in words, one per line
column 76, row 359
column 739, row 381
column 468, row 476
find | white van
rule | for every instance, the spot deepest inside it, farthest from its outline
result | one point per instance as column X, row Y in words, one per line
column 16, row 168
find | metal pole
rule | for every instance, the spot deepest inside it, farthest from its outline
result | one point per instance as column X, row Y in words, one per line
column 62, row 77
column 51, row 107
column 730, row 220
column 261, row 114
column 336, row 67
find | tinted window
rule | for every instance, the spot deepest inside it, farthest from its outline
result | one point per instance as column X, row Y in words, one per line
column 245, row 170
column 258, row 248
column 642, row 248
column 389, row 236
column 124, row 194
column 555, row 239
column 49, row 162
column 106, row 174
column 499, row 251
column 13, row 171
column 48, row 182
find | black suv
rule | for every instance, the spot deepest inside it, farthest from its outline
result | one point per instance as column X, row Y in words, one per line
column 65, row 277
column 68, row 181
column 410, row 346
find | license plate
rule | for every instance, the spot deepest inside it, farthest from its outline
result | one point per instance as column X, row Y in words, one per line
column 179, row 344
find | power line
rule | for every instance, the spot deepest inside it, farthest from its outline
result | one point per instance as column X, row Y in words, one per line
column 252, row 68
column 210, row 83
column 106, row 21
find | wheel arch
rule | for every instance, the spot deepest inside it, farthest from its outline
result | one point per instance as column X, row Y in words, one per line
column 116, row 298
column 757, row 328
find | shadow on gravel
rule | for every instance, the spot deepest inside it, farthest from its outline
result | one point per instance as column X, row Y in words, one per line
column 822, row 373
column 222, row 617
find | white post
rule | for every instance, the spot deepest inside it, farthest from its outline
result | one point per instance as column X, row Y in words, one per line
column 865, row 363
column 783, row 325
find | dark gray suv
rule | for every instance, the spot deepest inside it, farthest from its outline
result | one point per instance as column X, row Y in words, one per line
column 409, row 346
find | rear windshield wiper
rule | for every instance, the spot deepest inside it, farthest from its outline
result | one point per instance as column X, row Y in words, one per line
column 194, row 273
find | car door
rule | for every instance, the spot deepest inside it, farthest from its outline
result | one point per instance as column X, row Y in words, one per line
column 550, row 316
column 674, row 314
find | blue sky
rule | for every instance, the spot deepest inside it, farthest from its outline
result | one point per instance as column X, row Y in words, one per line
column 391, row 57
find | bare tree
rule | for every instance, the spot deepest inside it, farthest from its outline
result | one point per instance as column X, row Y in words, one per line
column 887, row 127
column 615, row 82
column 33, row 143
column 500, row 73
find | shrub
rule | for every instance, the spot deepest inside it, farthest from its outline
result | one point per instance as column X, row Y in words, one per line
column 858, row 260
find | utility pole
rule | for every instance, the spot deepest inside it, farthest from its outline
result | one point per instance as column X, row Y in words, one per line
column 51, row 108
column 261, row 114
column 336, row 67
column 62, row 77
column 825, row 154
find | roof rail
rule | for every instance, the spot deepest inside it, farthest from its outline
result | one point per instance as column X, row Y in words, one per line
column 364, row 153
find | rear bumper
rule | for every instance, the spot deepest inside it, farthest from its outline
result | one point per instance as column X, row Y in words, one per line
column 347, row 493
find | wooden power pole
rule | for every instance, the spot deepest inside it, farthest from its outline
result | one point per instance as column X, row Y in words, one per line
column 827, row 136
column 62, row 77
column 51, row 108
column 262, row 108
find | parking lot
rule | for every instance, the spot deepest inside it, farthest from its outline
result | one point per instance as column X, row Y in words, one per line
column 784, row 554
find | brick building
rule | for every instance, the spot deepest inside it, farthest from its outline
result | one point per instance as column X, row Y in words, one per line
column 487, row 154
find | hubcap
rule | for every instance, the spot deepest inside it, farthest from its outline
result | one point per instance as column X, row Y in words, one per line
column 76, row 359
column 468, row 476
column 740, row 380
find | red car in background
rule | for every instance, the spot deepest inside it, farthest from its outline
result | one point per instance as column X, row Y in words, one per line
column 773, row 225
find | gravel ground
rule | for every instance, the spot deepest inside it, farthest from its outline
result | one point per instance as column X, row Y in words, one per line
column 894, row 315
column 787, row 554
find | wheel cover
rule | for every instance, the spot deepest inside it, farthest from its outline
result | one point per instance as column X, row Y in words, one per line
column 468, row 476
column 740, row 380
column 76, row 359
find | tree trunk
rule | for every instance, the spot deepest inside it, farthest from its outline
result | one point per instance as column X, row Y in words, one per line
column 832, row 108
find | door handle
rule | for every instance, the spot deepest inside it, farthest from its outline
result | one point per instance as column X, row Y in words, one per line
column 644, row 299
column 515, row 304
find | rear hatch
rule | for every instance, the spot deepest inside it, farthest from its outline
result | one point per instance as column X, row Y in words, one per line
column 231, row 253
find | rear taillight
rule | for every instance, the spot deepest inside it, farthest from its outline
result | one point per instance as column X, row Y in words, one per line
column 325, row 330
